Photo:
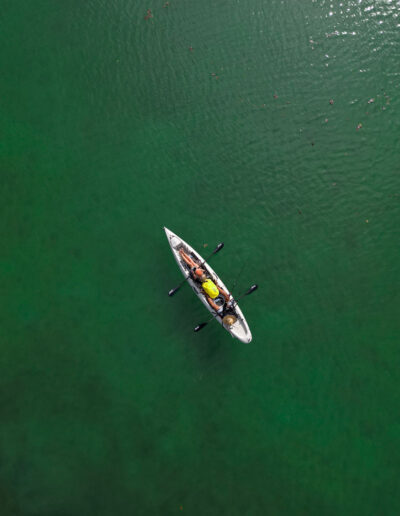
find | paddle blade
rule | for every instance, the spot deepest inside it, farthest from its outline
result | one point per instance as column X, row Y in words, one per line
column 200, row 326
column 218, row 248
column 251, row 289
column 173, row 291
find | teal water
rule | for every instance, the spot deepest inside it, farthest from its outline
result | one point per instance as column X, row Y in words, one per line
column 213, row 119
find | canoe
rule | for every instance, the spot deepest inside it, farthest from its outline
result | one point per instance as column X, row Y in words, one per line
column 240, row 329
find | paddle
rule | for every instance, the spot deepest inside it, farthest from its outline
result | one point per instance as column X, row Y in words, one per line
column 173, row 291
column 250, row 291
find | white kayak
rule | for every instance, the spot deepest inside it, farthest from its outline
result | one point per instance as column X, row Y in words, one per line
column 239, row 329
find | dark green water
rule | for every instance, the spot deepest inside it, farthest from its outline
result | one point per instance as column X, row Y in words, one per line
column 213, row 119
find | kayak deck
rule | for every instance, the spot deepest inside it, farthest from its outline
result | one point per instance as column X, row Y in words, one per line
column 240, row 329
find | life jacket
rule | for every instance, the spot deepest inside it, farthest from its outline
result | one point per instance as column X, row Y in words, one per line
column 210, row 288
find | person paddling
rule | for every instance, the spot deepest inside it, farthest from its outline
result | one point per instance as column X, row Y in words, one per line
column 212, row 291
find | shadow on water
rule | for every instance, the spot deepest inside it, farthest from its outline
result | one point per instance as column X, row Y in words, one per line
column 211, row 347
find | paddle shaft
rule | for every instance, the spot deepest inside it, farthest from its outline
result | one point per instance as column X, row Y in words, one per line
column 174, row 290
column 250, row 291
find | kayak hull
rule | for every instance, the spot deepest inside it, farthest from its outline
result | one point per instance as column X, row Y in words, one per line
column 240, row 329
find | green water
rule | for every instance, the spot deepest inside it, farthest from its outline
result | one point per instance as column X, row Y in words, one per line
column 214, row 119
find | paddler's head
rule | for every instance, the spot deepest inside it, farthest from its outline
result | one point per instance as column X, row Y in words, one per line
column 199, row 274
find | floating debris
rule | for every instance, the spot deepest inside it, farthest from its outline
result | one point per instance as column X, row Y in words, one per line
column 359, row 126
column 331, row 102
column 149, row 14
column 275, row 96
column 371, row 101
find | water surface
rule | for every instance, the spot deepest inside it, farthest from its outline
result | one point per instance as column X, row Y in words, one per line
column 271, row 126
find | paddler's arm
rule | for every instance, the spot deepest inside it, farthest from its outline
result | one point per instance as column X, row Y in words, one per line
column 226, row 296
column 212, row 304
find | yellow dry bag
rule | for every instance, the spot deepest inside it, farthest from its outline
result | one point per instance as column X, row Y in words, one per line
column 210, row 288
